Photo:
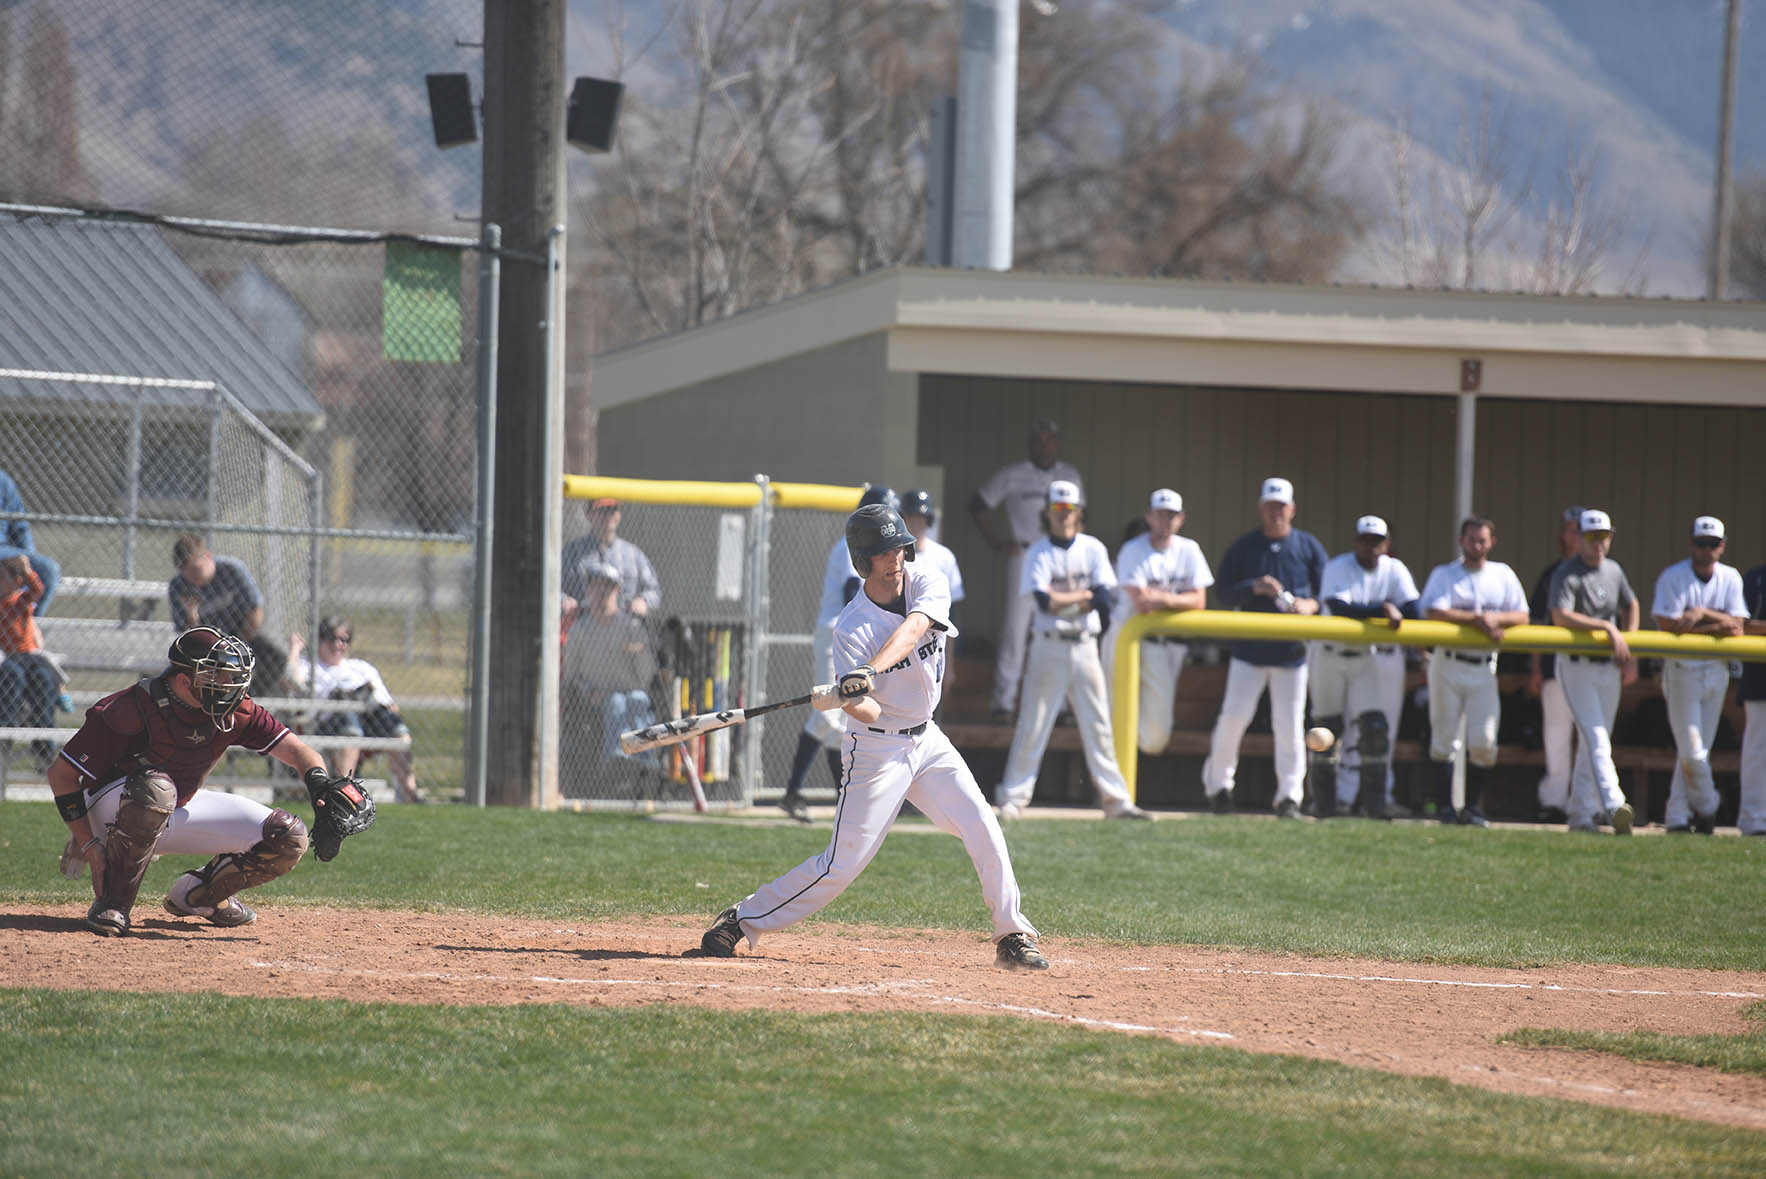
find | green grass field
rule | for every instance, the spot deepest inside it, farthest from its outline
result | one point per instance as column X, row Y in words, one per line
column 222, row 1085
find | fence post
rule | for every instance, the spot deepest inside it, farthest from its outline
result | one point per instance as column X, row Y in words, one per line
column 478, row 738
column 759, row 621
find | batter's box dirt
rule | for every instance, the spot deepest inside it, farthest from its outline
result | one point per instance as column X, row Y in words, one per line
column 1395, row 1017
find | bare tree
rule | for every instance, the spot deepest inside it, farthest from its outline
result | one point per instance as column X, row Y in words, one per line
column 40, row 156
column 1747, row 237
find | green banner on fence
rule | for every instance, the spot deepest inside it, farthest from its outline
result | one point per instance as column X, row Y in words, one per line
column 420, row 304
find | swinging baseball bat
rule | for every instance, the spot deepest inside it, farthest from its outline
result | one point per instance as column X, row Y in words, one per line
column 824, row 697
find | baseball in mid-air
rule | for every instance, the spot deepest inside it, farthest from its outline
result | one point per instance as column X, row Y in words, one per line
column 1320, row 739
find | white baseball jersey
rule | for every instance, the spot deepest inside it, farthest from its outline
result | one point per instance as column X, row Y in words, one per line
column 908, row 692
column 1177, row 568
column 838, row 572
column 943, row 560
column 1494, row 589
column 1048, row 566
column 1679, row 589
column 1346, row 581
column 1023, row 488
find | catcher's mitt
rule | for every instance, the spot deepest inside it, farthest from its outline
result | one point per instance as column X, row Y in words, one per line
column 340, row 808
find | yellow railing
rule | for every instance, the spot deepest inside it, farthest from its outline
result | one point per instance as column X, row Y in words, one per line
column 1234, row 624
column 823, row 497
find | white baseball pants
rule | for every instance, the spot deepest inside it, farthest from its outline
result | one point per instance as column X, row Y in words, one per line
column 1752, row 820
column 1161, row 668
column 1592, row 689
column 1060, row 670
column 211, row 823
column 881, row 771
column 1346, row 682
column 1245, row 683
column 1557, row 731
column 1694, row 690
column 1008, row 668
column 1458, row 688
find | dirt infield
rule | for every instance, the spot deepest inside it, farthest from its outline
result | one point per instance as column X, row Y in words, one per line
column 1399, row 1018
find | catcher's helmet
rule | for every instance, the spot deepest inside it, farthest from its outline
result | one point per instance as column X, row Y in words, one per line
column 873, row 530
column 879, row 494
column 918, row 502
column 220, row 668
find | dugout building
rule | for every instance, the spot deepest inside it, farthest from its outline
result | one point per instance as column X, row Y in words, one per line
column 1402, row 403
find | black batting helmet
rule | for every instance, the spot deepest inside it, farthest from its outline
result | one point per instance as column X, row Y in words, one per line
column 873, row 530
column 220, row 668
column 879, row 494
column 918, row 502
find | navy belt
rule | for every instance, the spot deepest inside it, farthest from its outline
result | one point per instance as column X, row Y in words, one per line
column 1591, row 659
column 1346, row 652
column 1471, row 658
column 1049, row 634
column 1168, row 640
column 913, row 732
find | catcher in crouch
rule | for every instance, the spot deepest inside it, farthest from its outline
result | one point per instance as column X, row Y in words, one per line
column 128, row 785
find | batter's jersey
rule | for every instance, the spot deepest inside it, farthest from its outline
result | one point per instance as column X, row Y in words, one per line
column 1492, row 589
column 1049, row 566
column 943, row 560
column 909, row 691
column 146, row 728
column 1297, row 560
column 836, row 575
column 1347, row 581
column 1177, row 568
column 1023, row 488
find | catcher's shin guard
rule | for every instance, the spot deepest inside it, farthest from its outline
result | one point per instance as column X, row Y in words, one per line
column 1322, row 770
column 142, row 817
column 1373, row 740
column 283, row 844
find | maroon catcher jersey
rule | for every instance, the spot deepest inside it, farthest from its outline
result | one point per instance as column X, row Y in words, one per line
column 146, row 728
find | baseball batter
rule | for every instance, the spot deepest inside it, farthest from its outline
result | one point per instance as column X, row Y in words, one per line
column 128, row 785
column 1159, row 570
column 1697, row 596
column 1067, row 575
column 1020, row 489
column 1472, row 591
column 893, row 635
column 1590, row 592
column 1357, row 691
column 821, row 730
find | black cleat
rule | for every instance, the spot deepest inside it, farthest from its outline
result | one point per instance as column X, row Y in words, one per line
column 720, row 940
column 793, row 805
column 1704, row 824
column 1552, row 815
column 1017, row 952
column 106, row 920
column 1222, row 803
column 1471, row 816
column 1287, row 808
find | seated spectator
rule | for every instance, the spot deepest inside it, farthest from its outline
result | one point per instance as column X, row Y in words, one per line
column 221, row 592
column 601, row 545
column 29, row 682
column 337, row 676
column 608, row 663
column 16, row 541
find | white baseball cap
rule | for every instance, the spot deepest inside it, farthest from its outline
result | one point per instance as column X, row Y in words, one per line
column 1371, row 526
column 1165, row 500
column 1064, row 491
column 1595, row 520
column 1708, row 526
column 1279, row 490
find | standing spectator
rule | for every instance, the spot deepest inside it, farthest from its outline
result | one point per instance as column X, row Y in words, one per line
column 1697, row 596
column 1068, row 576
column 16, row 541
column 1752, row 819
column 1590, row 592
column 29, row 682
column 1557, row 730
column 1472, row 591
column 1159, row 570
column 337, row 675
column 920, row 514
column 639, row 591
column 608, row 663
column 1272, row 569
column 220, row 592
column 1020, row 489
column 1358, row 690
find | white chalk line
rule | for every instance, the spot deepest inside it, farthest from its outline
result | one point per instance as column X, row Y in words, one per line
column 1473, row 984
column 903, row 987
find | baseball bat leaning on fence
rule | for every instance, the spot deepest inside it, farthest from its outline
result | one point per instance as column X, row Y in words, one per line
column 824, row 697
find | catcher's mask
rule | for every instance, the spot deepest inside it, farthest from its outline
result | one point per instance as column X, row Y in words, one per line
column 219, row 667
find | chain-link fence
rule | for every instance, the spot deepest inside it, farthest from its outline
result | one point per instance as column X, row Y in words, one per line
column 302, row 402
column 690, row 598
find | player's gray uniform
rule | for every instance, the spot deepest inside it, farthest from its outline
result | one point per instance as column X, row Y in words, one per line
column 1348, row 680
column 1064, row 665
column 1694, row 688
column 902, row 756
column 1022, row 488
column 1592, row 684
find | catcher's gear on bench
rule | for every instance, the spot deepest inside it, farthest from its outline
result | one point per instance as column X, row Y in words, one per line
column 1323, row 765
column 340, row 808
